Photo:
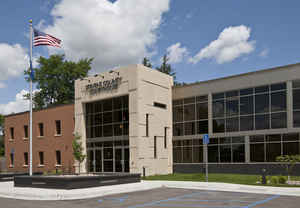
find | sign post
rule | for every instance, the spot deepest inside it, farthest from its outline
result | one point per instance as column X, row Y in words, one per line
column 206, row 142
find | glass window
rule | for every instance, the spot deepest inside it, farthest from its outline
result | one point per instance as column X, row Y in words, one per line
column 278, row 101
column 246, row 123
column 178, row 114
column 177, row 143
column 280, row 86
column 107, row 131
column 296, row 117
column 177, row 154
column 296, row 99
column 273, row 138
column 291, row 148
column 202, row 111
column 238, row 140
column 118, row 116
column 118, row 129
column 203, row 98
column 58, row 157
column 107, row 117
column 125, row 101
column 248, row 91
column 25, row 158
column 187, row 154
column 189, row 112
column 178, row 129
column 232, row 124
column 262, row 122
column 218, row 125
column 98, row 119
column 202, row 127
column 58, row 127
column 246, row 105
column 262, row 103
column 296, row 84
column 257, row 152
column 197, row 154
column 41, row 157
column 98, row 131
column 218, row 109
column 26, row 131
column 213, row 154
column 232, row 93
column 125, row 129
column 213, row 141
column 187, row 142
column 98, row 107
column 189, row 100
column 89, row 108
column 290, row 137
column 225, row 140
column 257, row 138
column 107, row 105
column 117, row 103
column 41, row 129
column 218, row 96
column 189, row 128
column 262, row 89
column 278, row 120
column 238, row 153
column 225, row 153
column 177, row 102
column 273, row 151
column 232, row 107
column 108, row 153
column 197, row 142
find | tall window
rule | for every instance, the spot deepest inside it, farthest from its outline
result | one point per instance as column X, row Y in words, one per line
column 165, row 137
column 12, row 133
column 26, row 158
column 188, row 151
column 58, row 157
column 155, row 147
column 12, row 159
column 25, row 131
column 41, row 129
column 296, row 103
column 41, row 157
column 58, row 127
column 147, row 125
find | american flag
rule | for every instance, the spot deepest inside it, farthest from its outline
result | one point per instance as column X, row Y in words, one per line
column 41, row 38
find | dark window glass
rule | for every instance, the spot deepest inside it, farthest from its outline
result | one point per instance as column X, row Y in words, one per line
column 187, row 154
column 238, row 140
column 296, row 84
column 165, row 137
column 12, row 159
column 202, row 98
column 26, row 131
column 177, row 102
column 262, row 103
column 108, row 153
column 238, row 153
column 58, row 157
column 155, row 147
column 246, row 123
column 218, row 109
column 257, row 152
column 187, row 142
column 213, row 141
column 107, row 105
column 117, row 103
column 296, row 118
column 125, row 115
column 108, row 144
column 248, row 91
column 225, row 153
column 98, row 131
column 88, row 120
column 296, row 99
column 25, row 158
column 213, row 154
column 246, row 105
column 202, row 127
column 41, row 157
column 189, row 100
column 107, row 131
column 225, row 140
column 125, row 101
column 89, row 108
column 160, row 105
column 177, row 143
column 98, row 107
column 202, row 111
column 58, row 127
column 147, row 124
column 218, row 125
column 257, row 138
column 197, row 142
column 177, row 155
column 232, row 124
column 41, row 129
column 262, row 122
column 178, row 129
column 232, row 107
column 232, row 94
column 262, row 89
column 290, row 137
column 189, row 112
column 118, row 116
column 278, row 101
column 218, row 96
column 107, row 117
column 273, row 138
column 178, row 114
column 290, row 148
column 125, row 129
column 12, row 133
column 278, row 120
column 273, row 150
column 197, row 154
column 280, row 86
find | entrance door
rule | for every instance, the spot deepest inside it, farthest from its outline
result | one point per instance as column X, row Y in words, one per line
column 119, row 160
column 98, row 160
column 126, row 160
column 108, row 159
column 91, row 160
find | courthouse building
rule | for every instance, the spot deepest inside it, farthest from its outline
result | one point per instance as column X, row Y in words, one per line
column 132, row 119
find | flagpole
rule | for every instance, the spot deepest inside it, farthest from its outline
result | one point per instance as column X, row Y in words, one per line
column 30, row 105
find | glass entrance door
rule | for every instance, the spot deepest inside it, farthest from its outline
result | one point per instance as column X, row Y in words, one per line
column 119, row 160
column 126, row 160
column 98, row 160
column 91, row 160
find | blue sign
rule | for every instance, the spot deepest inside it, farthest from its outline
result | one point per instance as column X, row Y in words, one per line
column 205, row 139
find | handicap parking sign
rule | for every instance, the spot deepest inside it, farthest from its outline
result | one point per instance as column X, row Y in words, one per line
column 205, row 139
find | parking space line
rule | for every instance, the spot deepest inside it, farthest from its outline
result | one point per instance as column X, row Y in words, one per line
column 262, row 201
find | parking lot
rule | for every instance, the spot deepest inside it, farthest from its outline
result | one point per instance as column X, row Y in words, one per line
column 167, row 197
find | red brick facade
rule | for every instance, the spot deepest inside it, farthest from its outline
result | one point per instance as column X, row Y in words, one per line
column 49, row 143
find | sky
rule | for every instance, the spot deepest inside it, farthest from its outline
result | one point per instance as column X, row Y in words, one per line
column 204, row 40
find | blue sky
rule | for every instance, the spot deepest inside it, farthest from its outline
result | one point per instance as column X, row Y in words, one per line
column 204, row 39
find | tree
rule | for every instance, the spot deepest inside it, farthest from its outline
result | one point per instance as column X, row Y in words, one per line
column 55, row 79
column 166, row 68
column 146, row 62
column 78, row 150
column 288, row 162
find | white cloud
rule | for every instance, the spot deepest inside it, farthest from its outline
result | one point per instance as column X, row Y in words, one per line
column 2, row 85
column 176, row 53
column 232, row 43
column 16, row 106
column 118, row 33
column 264, row 53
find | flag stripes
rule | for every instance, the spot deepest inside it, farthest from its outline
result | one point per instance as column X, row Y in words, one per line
column 43, row 39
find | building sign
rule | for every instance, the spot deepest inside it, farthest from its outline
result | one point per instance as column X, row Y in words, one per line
column 106, row 85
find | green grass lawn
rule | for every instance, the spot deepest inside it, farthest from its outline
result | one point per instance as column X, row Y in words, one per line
column 214, row 177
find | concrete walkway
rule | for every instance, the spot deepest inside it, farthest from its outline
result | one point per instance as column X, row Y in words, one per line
column 7, row 190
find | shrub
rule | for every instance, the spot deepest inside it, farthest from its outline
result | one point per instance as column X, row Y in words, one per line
column 282, row 179
column 274, row 180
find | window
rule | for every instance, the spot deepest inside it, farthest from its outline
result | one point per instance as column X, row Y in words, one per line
column 147, row 125
column 12, row 159
column 58, row 127
column 160, row 105
column 25, row 131
column 26, row 158
column 12, row 133
column 155, row 148
column 41, row 156
column 41, row 129
column 58, row 157
column 296, row 103
column 165, row 137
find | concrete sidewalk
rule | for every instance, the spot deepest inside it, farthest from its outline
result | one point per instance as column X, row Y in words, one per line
column 7, row 190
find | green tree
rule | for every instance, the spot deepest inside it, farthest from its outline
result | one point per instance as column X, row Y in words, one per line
column 166, row 68
column 288, row 162
column 78, row 150
column 146, row 62
column 55, row 79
